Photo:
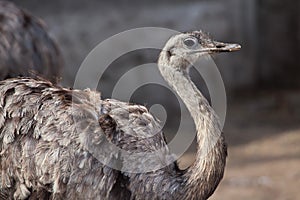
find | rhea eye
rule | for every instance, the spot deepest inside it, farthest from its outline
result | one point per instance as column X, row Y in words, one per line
column 190, row 42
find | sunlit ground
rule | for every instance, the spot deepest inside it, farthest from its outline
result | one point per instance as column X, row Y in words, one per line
column 263, row 133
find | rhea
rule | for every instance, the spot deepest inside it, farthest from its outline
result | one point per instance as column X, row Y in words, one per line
column 53, row 139
column 26, row 49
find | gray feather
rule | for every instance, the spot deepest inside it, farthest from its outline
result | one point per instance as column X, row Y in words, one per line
column 26, row 48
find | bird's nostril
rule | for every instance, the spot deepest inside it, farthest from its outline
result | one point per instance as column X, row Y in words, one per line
column 220, row 45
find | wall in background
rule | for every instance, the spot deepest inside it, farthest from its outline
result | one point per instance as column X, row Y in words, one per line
column 278, row 43
column 80, row 25
column 268, row 31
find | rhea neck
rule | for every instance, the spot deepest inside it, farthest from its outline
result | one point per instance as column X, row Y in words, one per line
column 206, row 171
column 176, row 75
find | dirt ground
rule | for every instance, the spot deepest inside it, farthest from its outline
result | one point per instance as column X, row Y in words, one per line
column 263, row 134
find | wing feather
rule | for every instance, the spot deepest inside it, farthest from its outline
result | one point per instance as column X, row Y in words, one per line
column 49, row 142
column 62, row 143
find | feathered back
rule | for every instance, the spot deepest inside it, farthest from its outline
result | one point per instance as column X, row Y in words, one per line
column 26, row 49
column 44, row 154
column 53, row 142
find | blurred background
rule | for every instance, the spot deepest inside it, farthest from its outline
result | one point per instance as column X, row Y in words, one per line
column 262, row 80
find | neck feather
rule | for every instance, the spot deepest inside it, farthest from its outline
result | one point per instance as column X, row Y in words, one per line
column 207, row 170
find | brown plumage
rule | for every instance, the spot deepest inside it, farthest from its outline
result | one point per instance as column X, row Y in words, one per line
column 42, row 152
column 26, row 49
column 56, row 143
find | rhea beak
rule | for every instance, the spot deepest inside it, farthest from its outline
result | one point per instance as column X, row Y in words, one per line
column 218, row 47
column 224, row 47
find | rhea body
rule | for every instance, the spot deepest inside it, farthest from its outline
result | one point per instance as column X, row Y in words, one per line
column 52, row 149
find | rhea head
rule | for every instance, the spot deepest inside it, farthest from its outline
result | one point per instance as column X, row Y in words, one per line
column 185, row 49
